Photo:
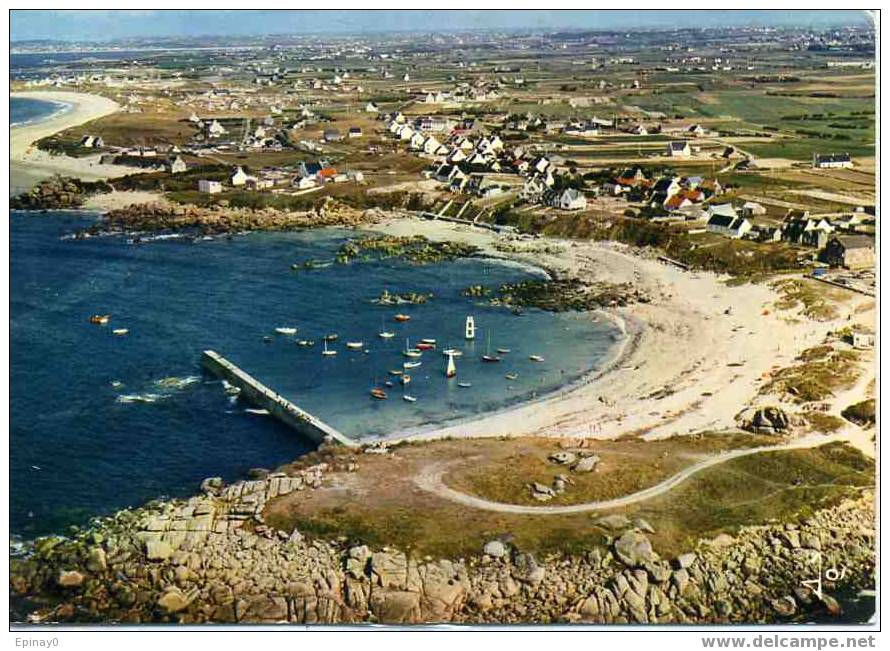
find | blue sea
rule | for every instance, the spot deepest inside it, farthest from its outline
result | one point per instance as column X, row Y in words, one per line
column 24, row 110
column 100, row 421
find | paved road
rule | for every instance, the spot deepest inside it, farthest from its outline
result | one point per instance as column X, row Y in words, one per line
column 430, row 479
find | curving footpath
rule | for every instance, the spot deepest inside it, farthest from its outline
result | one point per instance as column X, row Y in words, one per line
column 430, row 479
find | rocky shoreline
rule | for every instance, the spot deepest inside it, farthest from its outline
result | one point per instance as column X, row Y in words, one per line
column 213, row 558
column 215, row 219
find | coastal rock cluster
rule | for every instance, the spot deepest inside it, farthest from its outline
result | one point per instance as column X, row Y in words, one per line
column 212, row 558
column 560, row 294
column 57, row 193
column 217, row 219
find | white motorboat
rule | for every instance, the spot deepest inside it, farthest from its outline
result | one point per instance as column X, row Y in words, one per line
column 286, row 331
column 327, row 352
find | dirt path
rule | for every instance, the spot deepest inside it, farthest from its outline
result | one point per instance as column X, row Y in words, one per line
column 430, row 479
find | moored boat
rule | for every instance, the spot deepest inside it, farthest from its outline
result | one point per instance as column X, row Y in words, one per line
column 401, row 318
column 405, row 379
column 396, row 372
column 511, row 376
column 354, row 345
column 286, row 330
column 408, row 398
column 488, row 357
column 503, row 351
column 411, row 364
column 332, row 336
column 423, row 346
column 326, row 352
column 450, row 368
column 464, row 385
column 536, row 358
column 379, row 394
column 453, row 352
column 429, row 342
column 386, row 335
column 100, row 319
column 120, row 332
column 305, row 342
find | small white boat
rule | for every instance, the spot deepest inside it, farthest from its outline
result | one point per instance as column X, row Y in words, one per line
column 305, row 342
column 450, row 368
column 286, row 331
column 405, row 379
column 396, row 372
column 511, row 376
column 355, row 345
column 536, row 358
column 120, row 332
column 327, row 352
column 431, row 342
column 408, row 398
column 257, row 412
column 411, row 364
column 386, row 335
column 503, row 351
column 452, row 352
column 411, row 352
column 116, row 384
column 464, row 385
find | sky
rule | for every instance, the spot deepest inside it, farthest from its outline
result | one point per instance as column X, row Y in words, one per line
column 98, row 25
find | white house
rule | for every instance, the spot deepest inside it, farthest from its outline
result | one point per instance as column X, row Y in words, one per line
column 176, row 165
column 832, row 161
column 210, row 187
column 751, row 208
column 215, row 129
column 570, row 199
column 238, row 177
column 678, row 149
column 734, row 227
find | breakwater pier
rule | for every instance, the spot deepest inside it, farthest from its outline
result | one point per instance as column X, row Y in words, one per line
column 277, row 405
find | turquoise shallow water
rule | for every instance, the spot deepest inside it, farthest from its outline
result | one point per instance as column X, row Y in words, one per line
column 81, row 446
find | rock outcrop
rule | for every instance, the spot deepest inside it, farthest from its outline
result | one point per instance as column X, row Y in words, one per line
column 213, row 558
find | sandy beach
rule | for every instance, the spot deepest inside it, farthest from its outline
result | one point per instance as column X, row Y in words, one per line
column 686, row 365
column 29, row 166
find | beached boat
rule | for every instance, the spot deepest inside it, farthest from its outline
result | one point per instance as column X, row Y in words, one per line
column 354, row 345
column 380, row 394
column 327, row 352
column 536, row 358
column 286, row 330
column 100, row 319
column 120, row 332
column 408, row 398
column 411, row 364
column 401, row 318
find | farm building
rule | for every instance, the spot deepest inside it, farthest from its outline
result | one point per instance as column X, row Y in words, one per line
column 832, row 161
column 851, row 251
